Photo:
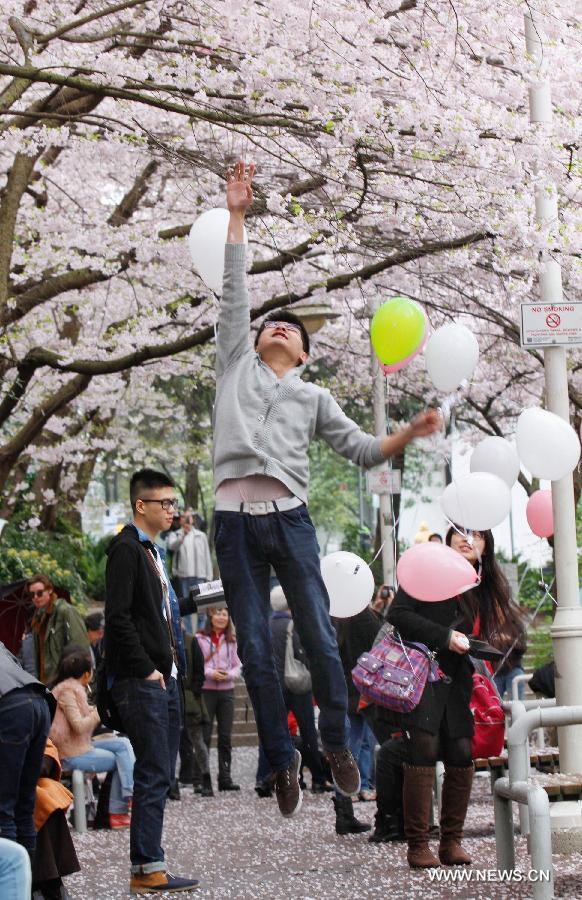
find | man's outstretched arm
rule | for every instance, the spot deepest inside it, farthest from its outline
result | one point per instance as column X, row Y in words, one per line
column 234, row 318
column 425, row 423
column 363, row 449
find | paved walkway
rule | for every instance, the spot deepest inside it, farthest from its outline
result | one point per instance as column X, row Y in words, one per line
column 241, row 849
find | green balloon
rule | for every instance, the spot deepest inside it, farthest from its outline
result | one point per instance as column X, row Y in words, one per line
column 397, row 330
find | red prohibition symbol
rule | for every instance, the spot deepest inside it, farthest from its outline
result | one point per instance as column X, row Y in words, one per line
column 553, row 320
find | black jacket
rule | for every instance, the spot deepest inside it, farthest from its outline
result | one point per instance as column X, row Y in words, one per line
column 196, row 674
column 355, row 636
column 137, row 639
column 443, row 702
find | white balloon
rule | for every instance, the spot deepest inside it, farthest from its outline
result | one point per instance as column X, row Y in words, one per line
column 451, row 355
column 206, row 243
column 547, row 445
column 478, row 501
column 349, row 582
column 497, row 456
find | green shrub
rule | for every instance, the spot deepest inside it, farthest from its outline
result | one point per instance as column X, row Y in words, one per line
column 69, row 558
column 540, row 650
column 21, row 559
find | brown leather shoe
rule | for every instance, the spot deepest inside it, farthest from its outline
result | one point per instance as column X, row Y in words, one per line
column 451, row 853
column 289, row 794
column 161, row 883
column 345, row 772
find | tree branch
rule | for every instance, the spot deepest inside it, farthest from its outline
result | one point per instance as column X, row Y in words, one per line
column 77, row 23
column 10, row 452
column 85, row 86
column 42, row 357
column 24, row 375
column 46, row 289
column 16, row 185
column 129, row 203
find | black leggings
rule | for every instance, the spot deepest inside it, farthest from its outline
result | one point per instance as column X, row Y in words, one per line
column 424, row 749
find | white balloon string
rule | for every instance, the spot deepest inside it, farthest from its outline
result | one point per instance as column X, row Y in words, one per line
column 451, row 401
column 455, row 528
column 379, row 552
column 547, row 592
column 543, row 599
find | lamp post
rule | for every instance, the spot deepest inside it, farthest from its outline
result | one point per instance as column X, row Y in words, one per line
column 314, row 316
column 566, row 630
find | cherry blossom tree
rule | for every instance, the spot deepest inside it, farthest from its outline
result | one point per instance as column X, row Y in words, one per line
column 394, row 155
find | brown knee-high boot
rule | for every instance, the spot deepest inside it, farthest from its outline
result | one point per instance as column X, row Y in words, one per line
column 416, row 796
column 456, row 794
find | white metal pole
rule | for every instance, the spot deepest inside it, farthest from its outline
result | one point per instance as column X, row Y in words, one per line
column 380, row 429
column 566, row 630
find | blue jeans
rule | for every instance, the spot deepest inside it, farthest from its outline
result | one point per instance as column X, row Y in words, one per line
column 365, row 760
column 15, row 877
column 24, row 725
column 151, row 720
column 109, row 755
column 246, row 547
column 503, row 683
column 301, row 705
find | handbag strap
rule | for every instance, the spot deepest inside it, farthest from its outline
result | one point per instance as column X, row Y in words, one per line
column 435, row 672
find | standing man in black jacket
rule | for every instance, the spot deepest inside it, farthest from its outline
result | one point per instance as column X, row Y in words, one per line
column 144, row 654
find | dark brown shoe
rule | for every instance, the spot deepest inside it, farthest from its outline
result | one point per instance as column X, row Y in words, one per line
column 289, row 794
column 345, row 772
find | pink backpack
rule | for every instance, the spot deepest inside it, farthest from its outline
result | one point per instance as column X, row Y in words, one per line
column 394, row 673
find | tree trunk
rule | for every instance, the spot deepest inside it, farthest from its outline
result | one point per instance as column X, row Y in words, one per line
column 191, row 485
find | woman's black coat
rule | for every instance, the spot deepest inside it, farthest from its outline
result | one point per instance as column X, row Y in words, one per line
column 444, row 703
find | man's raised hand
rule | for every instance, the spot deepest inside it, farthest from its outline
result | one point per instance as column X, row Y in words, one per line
column 426, row 423
column 239, row 187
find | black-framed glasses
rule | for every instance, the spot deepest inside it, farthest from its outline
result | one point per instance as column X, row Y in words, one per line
column 286, row 326
column 33, row 594
column 166, row 504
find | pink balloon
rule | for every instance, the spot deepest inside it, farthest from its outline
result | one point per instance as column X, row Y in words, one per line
column 433, row 572
column 395, row 367
column 539, row 514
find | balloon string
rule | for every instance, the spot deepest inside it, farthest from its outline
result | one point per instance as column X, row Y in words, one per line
column 379, row 552
column 451, row 400
column 545, row 595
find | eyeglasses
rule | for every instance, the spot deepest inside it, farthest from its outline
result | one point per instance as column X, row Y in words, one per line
column 286, row 326
column 33, row 594
column 165, row 504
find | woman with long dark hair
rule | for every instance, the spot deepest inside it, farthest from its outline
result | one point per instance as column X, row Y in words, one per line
column 221, row 669
column 441, row 726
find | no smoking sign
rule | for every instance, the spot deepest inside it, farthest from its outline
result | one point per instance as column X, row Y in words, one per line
column 551, row 324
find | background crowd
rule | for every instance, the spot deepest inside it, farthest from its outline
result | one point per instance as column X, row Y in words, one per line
column 55, row 721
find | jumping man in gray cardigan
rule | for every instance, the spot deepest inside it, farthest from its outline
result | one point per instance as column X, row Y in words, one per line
column 265, row 417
